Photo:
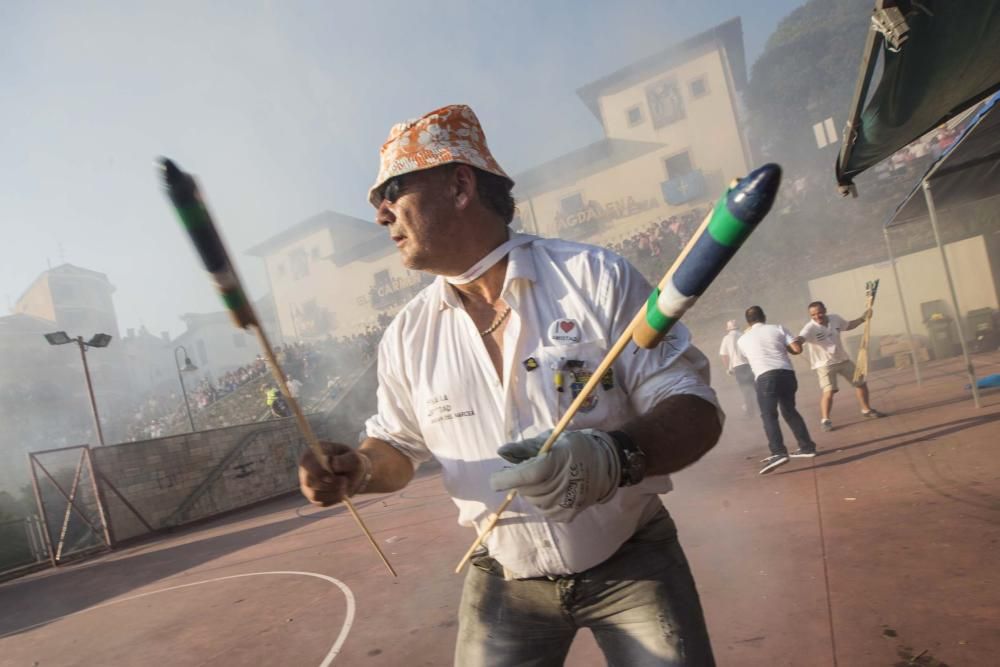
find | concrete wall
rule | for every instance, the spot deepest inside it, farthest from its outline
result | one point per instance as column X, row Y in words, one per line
column 187, row 477
column 923, row 279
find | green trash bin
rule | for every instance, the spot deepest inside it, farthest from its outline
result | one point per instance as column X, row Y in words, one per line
column 942, row 339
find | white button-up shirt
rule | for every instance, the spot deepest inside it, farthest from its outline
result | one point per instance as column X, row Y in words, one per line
column 766, row 348
column 439, row 395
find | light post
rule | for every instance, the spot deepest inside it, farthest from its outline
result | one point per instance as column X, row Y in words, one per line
column 188, row 367
column 97, row 340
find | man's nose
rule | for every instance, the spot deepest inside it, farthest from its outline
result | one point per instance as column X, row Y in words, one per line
column 383, row 214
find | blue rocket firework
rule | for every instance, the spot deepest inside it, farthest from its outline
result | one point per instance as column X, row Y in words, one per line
column 731, row 221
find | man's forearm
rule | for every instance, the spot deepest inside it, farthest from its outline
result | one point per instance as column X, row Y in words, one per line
column 675, row 433
column 391, row 470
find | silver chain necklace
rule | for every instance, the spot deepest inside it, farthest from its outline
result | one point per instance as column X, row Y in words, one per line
column 496, row 323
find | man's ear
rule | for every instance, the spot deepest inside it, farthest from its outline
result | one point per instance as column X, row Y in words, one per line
column 464, row 183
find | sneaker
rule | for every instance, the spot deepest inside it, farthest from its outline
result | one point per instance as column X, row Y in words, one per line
column 772, row 462
column 826, row 425
column 803, row 454
column 872, row 414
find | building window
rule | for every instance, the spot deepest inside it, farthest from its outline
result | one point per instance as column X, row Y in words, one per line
column 202, row 352
column 315, row 252
column 634, row 115
column 239, row 340
column 678, row 165
column 571, row 204
column 298, row 263
column 698, row 87
column 665, row 104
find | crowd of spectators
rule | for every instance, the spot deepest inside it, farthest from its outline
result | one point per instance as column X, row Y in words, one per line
column 317, row 365
column 651, row 249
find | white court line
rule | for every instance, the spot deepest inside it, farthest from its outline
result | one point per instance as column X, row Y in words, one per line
column 334, row 650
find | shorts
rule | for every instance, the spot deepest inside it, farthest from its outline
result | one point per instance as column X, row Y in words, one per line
column 828, row 375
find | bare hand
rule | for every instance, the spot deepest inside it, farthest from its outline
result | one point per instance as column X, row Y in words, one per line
column 341, row 477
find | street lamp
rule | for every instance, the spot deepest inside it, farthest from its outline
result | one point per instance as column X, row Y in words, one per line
column 97, row 340
column 188, row 367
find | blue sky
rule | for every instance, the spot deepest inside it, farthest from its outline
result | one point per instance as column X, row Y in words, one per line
column 279, row 109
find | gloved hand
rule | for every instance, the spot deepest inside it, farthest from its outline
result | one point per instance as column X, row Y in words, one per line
column 581, row 468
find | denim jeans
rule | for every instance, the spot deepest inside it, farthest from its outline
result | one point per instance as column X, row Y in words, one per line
column 641, row 604
column 776, row 389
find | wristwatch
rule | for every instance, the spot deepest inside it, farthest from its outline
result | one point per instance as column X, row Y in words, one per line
column 632, row 458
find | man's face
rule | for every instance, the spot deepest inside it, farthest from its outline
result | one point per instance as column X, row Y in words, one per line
column 818, row 315
column 415, row 210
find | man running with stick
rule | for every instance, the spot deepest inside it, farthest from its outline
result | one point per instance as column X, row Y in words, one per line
column 829, row 359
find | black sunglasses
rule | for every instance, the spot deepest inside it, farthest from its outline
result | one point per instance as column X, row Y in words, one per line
column 392, row 190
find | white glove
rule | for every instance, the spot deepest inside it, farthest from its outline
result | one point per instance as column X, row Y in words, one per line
column 581, row 468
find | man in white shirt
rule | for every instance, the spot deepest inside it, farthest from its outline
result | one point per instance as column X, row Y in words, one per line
column 829, row 359
column 766, row 348
column 737, row 366
column 493, row 352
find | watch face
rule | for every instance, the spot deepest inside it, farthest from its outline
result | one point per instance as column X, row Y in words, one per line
column 635, row 467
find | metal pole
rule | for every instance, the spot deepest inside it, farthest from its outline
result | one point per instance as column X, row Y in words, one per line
column 69, row 507
column 90, row 390
column 902, row 306
column 932, row 212
column 868, row 60
column 183, row 389
column 102, row 505
column 41, row 510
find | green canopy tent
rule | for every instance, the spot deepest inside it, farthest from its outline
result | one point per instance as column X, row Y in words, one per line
column 939, row 59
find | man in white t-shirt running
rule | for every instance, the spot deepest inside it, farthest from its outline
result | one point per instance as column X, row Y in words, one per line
column 737, row 366
column 766, row 348
column 829, row 359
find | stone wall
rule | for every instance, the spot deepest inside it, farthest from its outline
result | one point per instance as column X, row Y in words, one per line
column 190, row 476
column 183, row 478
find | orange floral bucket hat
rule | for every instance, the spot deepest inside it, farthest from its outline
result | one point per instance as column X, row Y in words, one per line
column 445, row 135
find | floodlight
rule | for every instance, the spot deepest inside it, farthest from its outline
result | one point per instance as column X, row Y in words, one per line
column 99, row 340
column 58, row 338
column 188, row 366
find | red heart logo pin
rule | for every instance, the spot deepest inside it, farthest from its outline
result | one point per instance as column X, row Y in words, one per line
column 566, row 326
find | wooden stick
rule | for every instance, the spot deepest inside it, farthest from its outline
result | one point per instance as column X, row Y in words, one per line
column 861, row 368
column 308, row 433
column 193, row 213
column 757, row 191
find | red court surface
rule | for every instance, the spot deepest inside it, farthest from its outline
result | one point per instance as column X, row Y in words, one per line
column 881, row 551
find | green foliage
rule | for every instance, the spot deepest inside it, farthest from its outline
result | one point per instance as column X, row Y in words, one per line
column 806, row 73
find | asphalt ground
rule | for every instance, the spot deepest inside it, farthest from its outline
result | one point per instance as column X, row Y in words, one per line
column 880, row 551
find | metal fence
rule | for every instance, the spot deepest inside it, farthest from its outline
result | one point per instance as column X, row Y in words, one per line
column 21, row 544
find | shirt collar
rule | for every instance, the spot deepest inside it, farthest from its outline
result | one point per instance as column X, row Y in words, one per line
column 520, row 264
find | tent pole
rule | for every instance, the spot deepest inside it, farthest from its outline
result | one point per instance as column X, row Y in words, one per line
column 951, row 287
column 869, row 57
column 902, row 306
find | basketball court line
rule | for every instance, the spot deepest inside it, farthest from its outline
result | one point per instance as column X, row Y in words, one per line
column 334, row 650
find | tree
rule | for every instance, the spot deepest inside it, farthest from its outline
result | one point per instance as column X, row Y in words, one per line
column 806, row 74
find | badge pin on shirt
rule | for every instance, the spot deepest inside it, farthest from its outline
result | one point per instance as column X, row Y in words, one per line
column 564, row 331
